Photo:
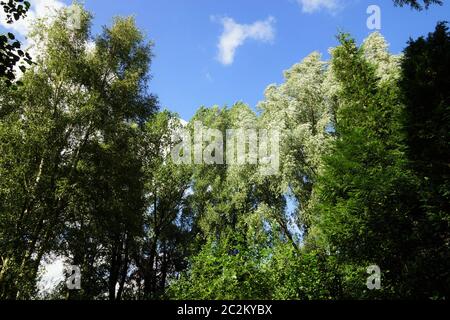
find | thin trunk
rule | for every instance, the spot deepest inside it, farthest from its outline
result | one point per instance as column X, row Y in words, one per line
column 164, row 268
column 124, row 273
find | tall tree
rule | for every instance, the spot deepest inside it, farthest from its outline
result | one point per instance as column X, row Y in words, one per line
column 166, row 235
column 426, row 88
column 229, row 214
column 40, row 153
column 366, row 191
column 300, row 109
column 106, row 221
column 73, row 182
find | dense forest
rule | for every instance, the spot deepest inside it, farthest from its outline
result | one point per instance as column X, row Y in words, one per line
column 85, row 174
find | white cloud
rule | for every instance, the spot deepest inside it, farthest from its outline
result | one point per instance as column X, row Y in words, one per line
column 310, row 6
column 234, row 35
column 39, row 9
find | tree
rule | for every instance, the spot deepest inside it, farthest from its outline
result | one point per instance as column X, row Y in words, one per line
column 223, row 193
column 108, row 204
column 225, row 269
column 229, row 214
column 365, row 207
column 300, row 108
column 40, row 152
column 426, row 88
column 11, row 55
column 247, row 249
column 260, row 266
column 166, row 236
column 417, row 4
column 72, row 177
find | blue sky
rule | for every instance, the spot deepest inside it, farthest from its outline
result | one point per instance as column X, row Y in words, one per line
column 186, row 70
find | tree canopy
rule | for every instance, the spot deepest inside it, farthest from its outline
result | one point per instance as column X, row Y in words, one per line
column 88, row 175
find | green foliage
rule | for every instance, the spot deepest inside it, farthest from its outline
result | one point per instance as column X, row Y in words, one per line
column 234, row 270
column 305, row 275
column 301, row 109
column 166, row 238
column 417, row 4
column 72, row 177
column 426, row 88
column 366, row 207
column 224, row 270
column 87, row 175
